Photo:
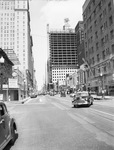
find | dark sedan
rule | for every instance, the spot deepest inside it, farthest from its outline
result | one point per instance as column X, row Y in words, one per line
column 7, row 127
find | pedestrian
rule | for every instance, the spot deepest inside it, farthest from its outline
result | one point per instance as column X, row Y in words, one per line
column 103, row 93
column 9, row 98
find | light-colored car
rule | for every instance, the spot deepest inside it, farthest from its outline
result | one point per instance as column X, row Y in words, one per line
column 7, row 127
column 82, row 99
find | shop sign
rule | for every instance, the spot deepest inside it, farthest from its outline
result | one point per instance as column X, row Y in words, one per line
column 13, row 83
column 1, row 97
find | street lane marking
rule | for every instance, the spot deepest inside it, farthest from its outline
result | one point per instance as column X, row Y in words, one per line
column 103, row 114
column 106, row 137
column 60, row 106
column 85, row 118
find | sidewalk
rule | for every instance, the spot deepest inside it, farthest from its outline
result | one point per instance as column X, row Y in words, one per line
column 19, row 101
column 96, row 97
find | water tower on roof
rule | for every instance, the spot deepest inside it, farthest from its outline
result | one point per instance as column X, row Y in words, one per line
column 67, row 25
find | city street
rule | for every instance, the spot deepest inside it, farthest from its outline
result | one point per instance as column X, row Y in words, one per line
column 51, row 123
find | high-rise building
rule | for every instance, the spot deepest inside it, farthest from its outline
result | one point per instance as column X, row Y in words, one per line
column 62, row 54
column 15, row 35
column 98, row 20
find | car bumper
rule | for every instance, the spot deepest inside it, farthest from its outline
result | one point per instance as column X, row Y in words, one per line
column 81, row 103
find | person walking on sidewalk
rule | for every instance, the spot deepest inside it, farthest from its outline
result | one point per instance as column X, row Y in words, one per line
column 103, row 93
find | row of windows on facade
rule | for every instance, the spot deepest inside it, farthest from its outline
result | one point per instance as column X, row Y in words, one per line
column 11, row 6
column 10, row 33
column 97, row 35
column 64, row 71
column 9, row 26
column 4, row 37
column 58, row 79
column 11, row 19
column 11, row 15
column 93, row 10
column 3, row 23
column 54, row 75
column 65, row 56
column 62, row 40
column 103, row 55
column 104, row 40
column 58, row 76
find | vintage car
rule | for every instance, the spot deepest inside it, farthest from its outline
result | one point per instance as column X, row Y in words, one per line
column 8, row 127
column 82, row 99
column 33, row 95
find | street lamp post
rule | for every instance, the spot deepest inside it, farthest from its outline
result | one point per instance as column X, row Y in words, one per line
column 24, row 88
column 1, row 77
column 101, row 76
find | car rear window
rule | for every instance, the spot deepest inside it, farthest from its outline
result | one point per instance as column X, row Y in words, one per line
column 1, row 110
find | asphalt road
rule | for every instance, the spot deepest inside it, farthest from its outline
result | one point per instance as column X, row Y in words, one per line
column 51, row 123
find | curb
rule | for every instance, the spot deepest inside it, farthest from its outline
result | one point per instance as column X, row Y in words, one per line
column 23, row 101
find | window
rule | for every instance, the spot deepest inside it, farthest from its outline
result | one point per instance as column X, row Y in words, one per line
column 106, row 38
column 97, row 46
column 101, row 17
column 107, row 51
column 102, row 29
column 96, row 34
column 109, row 7
column 112, row 49
column 110, row 20
column 105, row 25
column 102, row 42
column 111, row 34
column 104, row 12
column 98, row 58
column 104, row 68
column 103, row 54
column 95, row 23
column 93, row 60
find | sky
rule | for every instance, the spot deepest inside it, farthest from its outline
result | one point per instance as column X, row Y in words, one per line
column 52, row 12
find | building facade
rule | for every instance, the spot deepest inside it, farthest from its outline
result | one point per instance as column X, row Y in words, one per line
column 98, row 18
column 15, row 35
column 62, row 55
column 79, row 30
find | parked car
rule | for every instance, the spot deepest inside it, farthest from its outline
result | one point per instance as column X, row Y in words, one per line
column 8, row 127
column 62, row 93
column 33, row 96
column 82, row 99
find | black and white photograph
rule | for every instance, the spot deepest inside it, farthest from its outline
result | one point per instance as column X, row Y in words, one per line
column 56, row 74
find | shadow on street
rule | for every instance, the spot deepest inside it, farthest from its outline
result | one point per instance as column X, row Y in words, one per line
column 8, row 147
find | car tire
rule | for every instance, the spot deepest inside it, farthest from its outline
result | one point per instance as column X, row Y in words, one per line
column 13, row 135
column 91, row 103
column 75, row 106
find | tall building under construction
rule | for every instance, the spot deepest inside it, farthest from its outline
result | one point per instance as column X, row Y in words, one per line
column 62, row 54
